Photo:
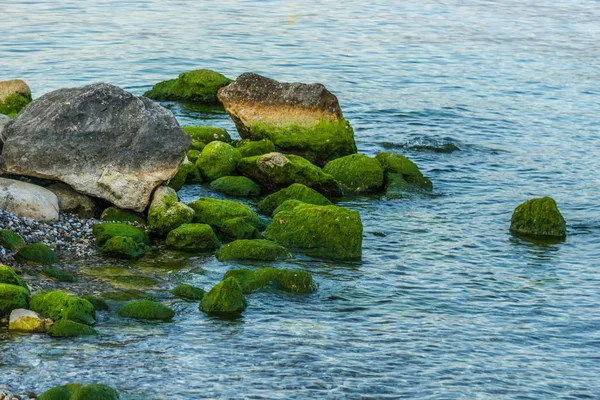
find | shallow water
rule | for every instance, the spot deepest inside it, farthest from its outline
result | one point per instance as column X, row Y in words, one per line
column 448, row 304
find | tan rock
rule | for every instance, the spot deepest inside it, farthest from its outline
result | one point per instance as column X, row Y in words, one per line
column 72, row 201
column 13, row 86
column 28, row 200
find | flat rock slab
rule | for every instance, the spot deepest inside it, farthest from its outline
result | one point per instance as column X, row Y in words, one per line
column 27, row 200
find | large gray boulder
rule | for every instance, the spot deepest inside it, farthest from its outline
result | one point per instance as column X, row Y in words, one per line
column 100, row 140
column 73, row 202
column 27, row 200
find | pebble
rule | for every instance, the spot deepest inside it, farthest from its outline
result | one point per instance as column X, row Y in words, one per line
column 8, row 396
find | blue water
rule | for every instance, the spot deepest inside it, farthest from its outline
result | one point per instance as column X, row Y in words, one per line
column 448, row 304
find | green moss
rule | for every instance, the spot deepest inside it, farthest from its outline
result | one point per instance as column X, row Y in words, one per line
column 293, row 281
column 10, row 277
column 97, row 302
column 57, row 305
column 146, row 309
column 116, row 214
column 198, row 86
column 207, row 134
column 323, row 231
column 166, row 213
column 13, row 104
column 398, row 187
column 218, row 159
column 238, row 228
column 124, row 247
column 61, row 276
column 67, row 328
column 124, row 295
column 11, row 240
column 107, row 230
column 12, row 297
column 397, row 163
column 215, row 212
column 276, row 171
column 188, row 292
column 36, row 253
column 180, row 177
column 356, row 173
column 225, row 297
column 255, row 148
column 539, row 217
column 198, row 146
column 256, row 249
column 193, row 237
column 295, row 191
column 287, row 205
column 121, row 277
column 236, row 186
column 193, row 155
column 77, row 391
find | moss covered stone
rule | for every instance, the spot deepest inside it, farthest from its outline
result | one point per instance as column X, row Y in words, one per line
column 215, row 212
column 124, row 247
column 57, row 305
column 116, row 214
column 356, row 173
column 207, row 134
column 539, row 217
column 295, row 191
column 124, row 295
column 256, row 249
column 67, row 328
column 226, row 297
column 77, row 391
column 236, row 186
column 193, row 155
column 188, row 292
column 12, row 297
column 322, row 231
column 198, row 146
column 187, row 173
column 249, row 148
column 36, row 253
column 199, row 86
column 287, row 205
column 293, row 281
column 11, row 240
column 122, row 277
column 59, row 275
column 397, row 163
column 97, row 302
column 218, row 159
column 10, row 277
column 193, row 237
column 238, row 228
column 276, row 171
column 107, row 230
column 166, row 212
column 13, row 104
column 397, row 185
column 146, row 309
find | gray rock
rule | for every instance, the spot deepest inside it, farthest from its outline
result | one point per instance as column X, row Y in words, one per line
column 4, row 120
column 73, row 202
column 27, row 200
column 99, row 139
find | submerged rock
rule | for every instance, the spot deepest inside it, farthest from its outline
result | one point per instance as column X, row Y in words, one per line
column 77, row 391
column 28, row 200
column 215, row 212
column 36, row 254
column 11, row 240
column 356, row 173
column 539, row 217
column 116, row 214
column 12, row 297
column 57, row 305
column 199, row 86
column 68, row 328
column 207, row 134
column 238, row 228
column 218, row 159
column 188, row 292
column 236, row 186
column 27, row 321
column 295, row 191
column 108, row 230
column 257, row 249
column 322, row 231
column 97, row 302
column 166, row 213
column 402, row 176
column 57, row 274
column 146, row 309
column 100, row 140
column 225, row 297
column 73, row 202
column 14, row 96
column 10, row 277
column 293, row 281
column 193, row 237
column 124, row 247
column 298, row 118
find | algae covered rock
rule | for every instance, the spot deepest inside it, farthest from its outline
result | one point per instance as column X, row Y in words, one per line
column 250, row 148
column 218, row 159
column 207, row 134
column 298, row 118
column 199, row 86
column 107, row 230
column 124, row 247
column 10, row 277
column 57, row 305
column 293, row 281
column 539, row 217
column 68, row 328
column 166, row 213
column 15, row 94
column 295, row 191
column 12, row 297
column 188, row 292
column 26, row 321
column 37, row 254
column 115, row 214
column 192, row 237
column 197, row 146
column 59, row 275
column 356, row 173
column 398, row 164
column 256, row 249
column 77, row 391
column 187, row 173
column 238, row 228
column 276, row 171
column 215, row 212
column 193, row 154
column 287, row 205
column 146, row 309
column 236, row 186
column 11, row 240
column 226, row 297
column 402, row 176
column 322, row 231
column 98, row 303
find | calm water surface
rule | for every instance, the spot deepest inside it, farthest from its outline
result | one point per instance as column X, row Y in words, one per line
column 448, row 304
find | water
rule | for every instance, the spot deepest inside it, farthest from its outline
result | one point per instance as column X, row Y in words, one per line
column 448, row 304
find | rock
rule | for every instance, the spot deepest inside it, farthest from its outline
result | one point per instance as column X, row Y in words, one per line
column 218, row 159
column 73, row 202
column 215, row 212
column 68, row 328
column 116, row 214
column 97, row 302
column 207, row 134
column 27, row 200
column 100, row 140
column 146, row 309
column 11, row 240
column 256, row 249
column 14, row 96
column 249, row 148
column 188, row 173
column 398, row 164
column 298, row 118
column 8, row 276
column 287, row 205
column 236, row 186
column 193, row 155
column 36, row 254
column 77, row 391
column 356, row 173
column 238, row 228
column 188, row 292
column 293, row 281
column 166, row 213
column 124, row 247
column 193, row 237
column 57, row 305
column 295, row 191
column 198, row 145
column 199, row 86
column 4, row 120
column 402, row 176
column 107, row 230
column 61, row 276
column 26, row 321
column 276, row 171
column 539, row 217
column 321, row 231
column 225, row 297
column 12, row 297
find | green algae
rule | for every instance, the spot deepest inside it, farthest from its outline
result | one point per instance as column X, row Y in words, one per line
column 538, row 217
column 226, row 297
column 295, row 191
column 10, row 277
column 124, row 295
column 238, row 228
column 115, row 214
column 124, row 247
column 37, row 254
column 218, row 159
column 240, row 186
column 77, row 391
column 215, row 212
column 249, row 148
column 188, row 292
column 147, row 310
column 287, row 205
column 256, row 249
column 13, row 104
column 57, row 305
column 398, row 164
column 67, row 328
column 200, row 86
column 11, row 240
column 167, row 213
column 12, row 297
column 107, row 230
column 192, row 237
column 187, row 173
column 292, row 281
column 59, row 275
column 98, row 303
column 207, row 134
column 193, row 155
column 356, row 173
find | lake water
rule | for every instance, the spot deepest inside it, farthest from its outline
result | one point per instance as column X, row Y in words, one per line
column 448, row 304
